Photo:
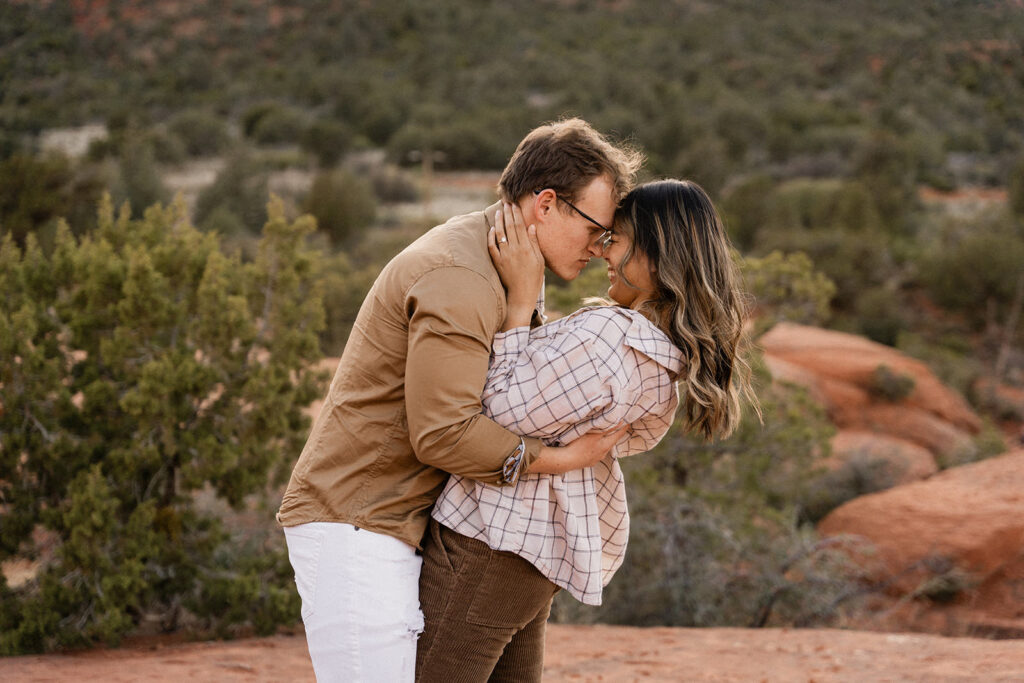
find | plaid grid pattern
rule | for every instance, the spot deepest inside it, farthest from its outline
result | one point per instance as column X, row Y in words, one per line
column 588, row 371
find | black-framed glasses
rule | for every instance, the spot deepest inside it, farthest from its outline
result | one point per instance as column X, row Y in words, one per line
column 606, row 233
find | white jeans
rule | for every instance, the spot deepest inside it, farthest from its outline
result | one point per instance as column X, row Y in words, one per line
column 360, row 601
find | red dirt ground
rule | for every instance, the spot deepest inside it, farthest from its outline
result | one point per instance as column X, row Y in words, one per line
column 588, row 653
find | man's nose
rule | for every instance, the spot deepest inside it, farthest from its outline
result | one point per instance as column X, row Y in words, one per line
column 596, row 248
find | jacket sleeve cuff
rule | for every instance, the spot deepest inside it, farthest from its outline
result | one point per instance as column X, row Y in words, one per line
column 519, row 461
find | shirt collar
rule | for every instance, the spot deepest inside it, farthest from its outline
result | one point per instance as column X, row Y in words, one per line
column 650, row 340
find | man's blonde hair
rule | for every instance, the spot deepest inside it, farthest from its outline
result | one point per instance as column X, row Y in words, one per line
column 566, row 156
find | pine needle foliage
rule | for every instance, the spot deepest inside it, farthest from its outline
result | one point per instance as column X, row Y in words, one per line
column 140, row 365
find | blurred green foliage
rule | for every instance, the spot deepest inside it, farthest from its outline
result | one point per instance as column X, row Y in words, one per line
column 236, row 197
column 328, row 140
column 36, row 191
column 889, row 385
column 343, row 204
column 973, row 269
column 140, row 366
column 1016, row 191
column 202, row 133
column 786, row 287
column 866, row 89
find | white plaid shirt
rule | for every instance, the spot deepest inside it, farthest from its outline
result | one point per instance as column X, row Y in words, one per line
column 588, row 371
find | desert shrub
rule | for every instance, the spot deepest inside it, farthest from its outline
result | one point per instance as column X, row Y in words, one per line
column 99, row 149
column 989, row 441
column 823, row 205
column 705, row 161
column 276, row 124
column 1015, row 190
column 889, row 385
column 168, row 148
column 476, row 139
column 392, row 184
column 253, row 114
column 342, row 203
column 975, row 272
column 328, row 140
column 139, row 180
column 131, row 129
column 943, row 580
column 741, row 126
column 223, row 221
column 858, row 475
column 201, row 132
column 240, row 189
column 249, row 582
column 138, row 366
column 746, row 207
column 345, row 286
column 787, row 287
column 35, row 192
column 853, row 261
column 949, row 357
column 887, row 167
column 985, row 395
column 879, row 316
column 378, row 111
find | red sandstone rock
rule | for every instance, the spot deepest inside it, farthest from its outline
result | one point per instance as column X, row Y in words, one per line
column 854, row 360
column 904, row 460
column 913, row 424
column 965, row 522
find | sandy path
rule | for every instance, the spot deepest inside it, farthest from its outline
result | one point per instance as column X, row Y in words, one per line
column 589, row 653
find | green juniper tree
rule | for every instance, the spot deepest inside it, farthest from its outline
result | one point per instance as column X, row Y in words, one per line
column 140, row 365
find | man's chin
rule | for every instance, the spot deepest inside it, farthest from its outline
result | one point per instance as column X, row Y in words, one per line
column 570, row 272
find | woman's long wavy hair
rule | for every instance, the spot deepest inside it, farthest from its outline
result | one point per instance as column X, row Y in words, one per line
column 698, row 301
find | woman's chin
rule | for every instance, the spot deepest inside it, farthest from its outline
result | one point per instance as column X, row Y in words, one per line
column 616, row 297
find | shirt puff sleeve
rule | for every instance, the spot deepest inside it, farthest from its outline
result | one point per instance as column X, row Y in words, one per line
column 590, row 378
column 555, row 388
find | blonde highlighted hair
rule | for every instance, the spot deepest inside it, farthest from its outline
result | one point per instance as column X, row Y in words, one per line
column 698, row 301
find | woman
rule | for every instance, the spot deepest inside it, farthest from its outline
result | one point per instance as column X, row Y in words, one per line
column 495, row 557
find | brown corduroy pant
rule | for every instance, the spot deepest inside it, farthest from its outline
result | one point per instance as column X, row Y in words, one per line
column 485, row 612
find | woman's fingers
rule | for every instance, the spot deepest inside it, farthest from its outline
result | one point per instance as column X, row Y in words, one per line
column 513, row 241
column 508, row 220
column 492, row 244
column 500, row 232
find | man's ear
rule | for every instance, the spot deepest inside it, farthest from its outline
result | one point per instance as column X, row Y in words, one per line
column 543, row 204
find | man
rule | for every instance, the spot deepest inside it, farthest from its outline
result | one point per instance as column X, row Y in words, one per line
column 403, row 409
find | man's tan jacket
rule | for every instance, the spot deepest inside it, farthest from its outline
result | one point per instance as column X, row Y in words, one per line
column 403, row 409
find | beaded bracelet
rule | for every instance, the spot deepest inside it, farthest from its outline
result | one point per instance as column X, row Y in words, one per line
column 513, row 463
